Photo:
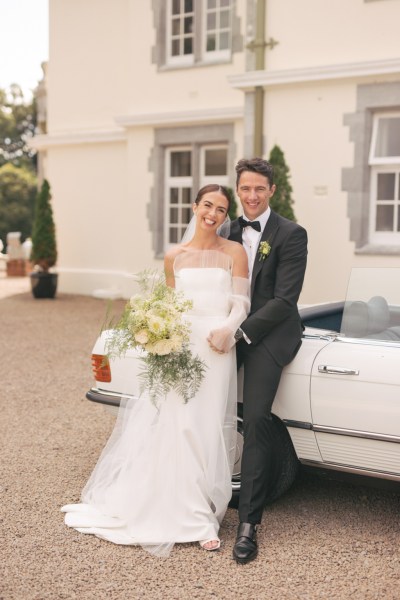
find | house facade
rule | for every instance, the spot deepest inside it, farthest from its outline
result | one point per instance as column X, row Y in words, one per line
column 149, row 100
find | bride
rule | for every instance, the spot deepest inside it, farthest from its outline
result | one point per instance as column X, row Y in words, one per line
column 164, row 476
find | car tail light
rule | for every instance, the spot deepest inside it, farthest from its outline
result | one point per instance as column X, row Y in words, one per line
column 101, row 367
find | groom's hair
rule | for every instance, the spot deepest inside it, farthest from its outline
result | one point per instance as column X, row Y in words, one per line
column 255, row 165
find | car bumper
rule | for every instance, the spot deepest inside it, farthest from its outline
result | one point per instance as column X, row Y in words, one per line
column 104, row 397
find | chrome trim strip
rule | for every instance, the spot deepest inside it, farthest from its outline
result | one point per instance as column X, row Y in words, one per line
column 353, row 470
column 367, row 342
column 297, row 424
column 111, row 394
column 383, row 437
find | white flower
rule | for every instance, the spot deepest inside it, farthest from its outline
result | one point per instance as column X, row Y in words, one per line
column 162, row 347
column 156, row 324
column 264, row 249
column 142, row 336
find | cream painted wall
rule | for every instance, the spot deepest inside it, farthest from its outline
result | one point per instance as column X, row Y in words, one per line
column 321, row 32
column 306, row 121
column 101, row 69
column 88, row 69
column 179, row 88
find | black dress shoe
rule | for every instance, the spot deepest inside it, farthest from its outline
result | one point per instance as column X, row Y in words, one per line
column 245, row 548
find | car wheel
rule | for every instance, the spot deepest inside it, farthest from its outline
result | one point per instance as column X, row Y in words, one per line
column 285, row 466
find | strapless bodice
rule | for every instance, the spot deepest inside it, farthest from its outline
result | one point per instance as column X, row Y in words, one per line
column 208, row 288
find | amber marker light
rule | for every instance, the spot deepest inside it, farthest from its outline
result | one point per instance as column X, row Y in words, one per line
column 101, row 368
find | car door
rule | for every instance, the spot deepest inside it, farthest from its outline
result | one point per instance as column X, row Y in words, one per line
column 355, row 404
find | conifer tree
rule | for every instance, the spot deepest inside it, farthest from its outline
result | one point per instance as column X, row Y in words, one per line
column 281, row 202
column 44, row 249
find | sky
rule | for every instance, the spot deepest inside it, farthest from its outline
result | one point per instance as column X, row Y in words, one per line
column 24, row 42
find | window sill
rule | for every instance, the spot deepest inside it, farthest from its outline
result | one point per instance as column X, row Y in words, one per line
column 378, row 249
column 202, row 63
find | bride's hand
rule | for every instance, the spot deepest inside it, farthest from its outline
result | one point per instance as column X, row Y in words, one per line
column 221, row 340
column 214, row 347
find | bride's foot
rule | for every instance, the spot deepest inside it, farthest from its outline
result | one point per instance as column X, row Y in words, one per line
column 211, row 544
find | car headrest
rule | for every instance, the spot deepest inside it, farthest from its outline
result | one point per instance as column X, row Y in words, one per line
column 355, row 319
column 378, row 314
column 361, row 319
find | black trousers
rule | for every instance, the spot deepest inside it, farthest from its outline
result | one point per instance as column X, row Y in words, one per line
column 261, row 379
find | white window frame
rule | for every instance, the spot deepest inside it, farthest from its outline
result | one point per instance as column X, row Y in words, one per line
column 188, row 181
column 215, row 55
column 385, row 164
column 182, row 59
column 200, row 54
column 381, row 160
column 207, row 179
column 171, row 182
column 384, row 237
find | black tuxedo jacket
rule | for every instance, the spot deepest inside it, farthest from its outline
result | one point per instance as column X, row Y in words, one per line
column 276, row 283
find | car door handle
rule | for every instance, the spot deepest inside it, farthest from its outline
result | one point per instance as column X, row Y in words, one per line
column 337, row 370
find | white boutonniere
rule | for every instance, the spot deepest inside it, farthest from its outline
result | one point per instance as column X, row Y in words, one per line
column 263, row 250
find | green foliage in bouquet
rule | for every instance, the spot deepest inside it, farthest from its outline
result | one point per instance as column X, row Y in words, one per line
column 153, row 323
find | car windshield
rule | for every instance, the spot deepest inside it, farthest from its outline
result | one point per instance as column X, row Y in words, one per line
column 372, row 306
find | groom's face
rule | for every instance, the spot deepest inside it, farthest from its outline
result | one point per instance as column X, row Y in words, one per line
column 254, row 192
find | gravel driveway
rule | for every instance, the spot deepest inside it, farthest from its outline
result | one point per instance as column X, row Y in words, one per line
column 321, row 540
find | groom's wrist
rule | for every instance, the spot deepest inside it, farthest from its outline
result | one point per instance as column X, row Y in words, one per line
column 240, row 335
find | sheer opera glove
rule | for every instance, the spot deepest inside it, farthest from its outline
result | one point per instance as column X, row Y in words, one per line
column 222, row 339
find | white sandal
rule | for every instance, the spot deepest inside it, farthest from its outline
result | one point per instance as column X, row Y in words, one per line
column 216, row 547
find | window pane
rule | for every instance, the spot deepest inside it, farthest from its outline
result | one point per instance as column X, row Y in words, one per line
column 225, row 2
column 175, row 48
column 224, row 41
column 186, row 215
column 186, row 195
column 188, row 46
column 224, row 19
column 388, row 138
column 180, row 164
column 176, row 7
column 386, row 186
column 211, row 43
column 216, row 162
column 211, row 21
column 176, row 26
column 173, row 196
column 384, row 218
column 173, row 236
column 188, row 6
column 188, row 24
column 211, row 3
column 173, row 215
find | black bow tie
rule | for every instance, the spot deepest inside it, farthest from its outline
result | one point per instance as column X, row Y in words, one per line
column 254, row 224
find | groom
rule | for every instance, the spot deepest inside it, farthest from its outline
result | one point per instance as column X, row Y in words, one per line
column 270, row 336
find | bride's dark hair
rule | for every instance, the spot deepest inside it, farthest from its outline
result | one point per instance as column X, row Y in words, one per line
column 213, row 187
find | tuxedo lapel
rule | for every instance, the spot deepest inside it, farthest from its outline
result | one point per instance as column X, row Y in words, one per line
column 236, row 232
column 267, row 236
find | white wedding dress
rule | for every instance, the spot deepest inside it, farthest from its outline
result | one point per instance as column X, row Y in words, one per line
column 165, row 473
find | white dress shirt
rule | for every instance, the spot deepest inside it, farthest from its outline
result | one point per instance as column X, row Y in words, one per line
column 251, row 238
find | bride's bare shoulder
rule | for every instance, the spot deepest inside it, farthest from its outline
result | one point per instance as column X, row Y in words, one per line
column 233, row 248
column 173, row 252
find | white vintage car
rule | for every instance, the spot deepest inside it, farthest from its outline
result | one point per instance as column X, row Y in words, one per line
column 338, row 403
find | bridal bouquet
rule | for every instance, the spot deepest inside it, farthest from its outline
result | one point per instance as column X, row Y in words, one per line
column 153, row 322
